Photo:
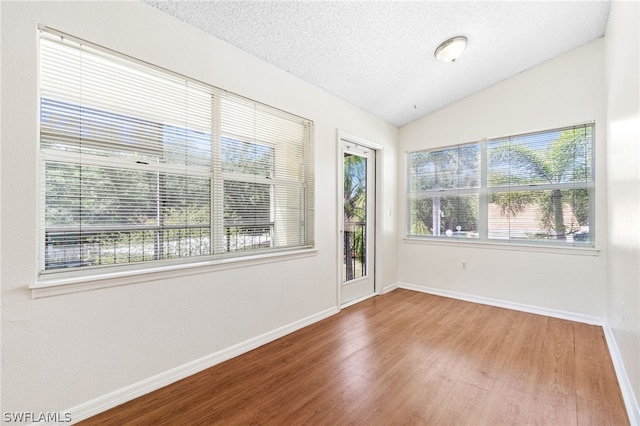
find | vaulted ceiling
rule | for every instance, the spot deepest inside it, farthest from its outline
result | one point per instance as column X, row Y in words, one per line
column 378, row 55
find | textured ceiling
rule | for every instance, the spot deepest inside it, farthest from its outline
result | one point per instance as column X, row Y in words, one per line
column 378, row 55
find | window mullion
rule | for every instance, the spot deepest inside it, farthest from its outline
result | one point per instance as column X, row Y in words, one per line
column 483, row 208
column 217, row 181
column 159, row 242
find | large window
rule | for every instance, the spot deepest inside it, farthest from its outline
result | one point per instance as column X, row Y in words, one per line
column 142, row 165
column 533, row 188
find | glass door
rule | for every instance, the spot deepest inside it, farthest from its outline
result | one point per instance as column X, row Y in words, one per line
column 358, row 221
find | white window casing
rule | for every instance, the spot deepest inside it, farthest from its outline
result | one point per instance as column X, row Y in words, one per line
column 141, row 167
column 529, row 189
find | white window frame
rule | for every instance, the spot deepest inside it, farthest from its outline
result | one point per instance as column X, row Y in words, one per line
column 483, row 190
column 49, row 282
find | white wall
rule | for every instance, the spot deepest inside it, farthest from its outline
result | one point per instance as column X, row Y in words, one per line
column 622, row 53
column 61, row 351
column 563, row 91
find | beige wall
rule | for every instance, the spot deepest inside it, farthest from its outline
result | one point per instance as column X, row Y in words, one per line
column 563, row 91
column 622, row 53
column 62, row 351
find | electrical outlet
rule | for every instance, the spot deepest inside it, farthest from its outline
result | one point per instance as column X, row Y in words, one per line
column 463, row 265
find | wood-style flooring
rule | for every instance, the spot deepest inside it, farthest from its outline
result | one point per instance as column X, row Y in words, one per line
column 402, row 358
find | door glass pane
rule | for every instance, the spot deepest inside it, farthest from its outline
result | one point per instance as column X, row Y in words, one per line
column 355, row 217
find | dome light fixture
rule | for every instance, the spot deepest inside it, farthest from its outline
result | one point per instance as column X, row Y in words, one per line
column 450, row 50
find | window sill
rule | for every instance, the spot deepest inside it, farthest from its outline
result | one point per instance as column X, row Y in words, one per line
column 539, row 248
column 55, row 286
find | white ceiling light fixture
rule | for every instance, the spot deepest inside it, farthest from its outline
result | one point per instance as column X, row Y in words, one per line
column 450, row 50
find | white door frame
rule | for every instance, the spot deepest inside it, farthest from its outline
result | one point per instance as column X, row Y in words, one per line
column 377, row 266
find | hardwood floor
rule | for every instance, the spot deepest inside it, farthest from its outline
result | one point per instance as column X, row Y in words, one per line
column 402, row 358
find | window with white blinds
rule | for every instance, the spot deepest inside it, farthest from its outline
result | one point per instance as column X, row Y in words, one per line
column 139, row 164
column 530, row 188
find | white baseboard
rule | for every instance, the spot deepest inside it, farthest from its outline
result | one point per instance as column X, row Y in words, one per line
column 358, row 300
column 384, row 290
column 630, row 401
column 120, row 396
column 554, row 313
column 629, row 397
column 389, row 288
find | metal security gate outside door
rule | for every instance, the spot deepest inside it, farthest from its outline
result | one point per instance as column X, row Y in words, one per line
column 357, row 227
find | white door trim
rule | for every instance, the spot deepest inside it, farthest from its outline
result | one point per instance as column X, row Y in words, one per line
column 378, row 151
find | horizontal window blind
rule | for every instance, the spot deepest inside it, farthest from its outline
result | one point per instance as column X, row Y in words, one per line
column 531, row 188
column 561, row 156
column 442, row 185
column 139, row 164
column 450, row 168
column 540, row 186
